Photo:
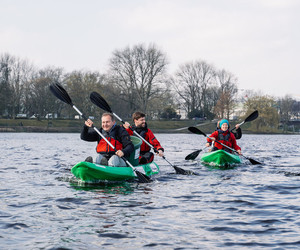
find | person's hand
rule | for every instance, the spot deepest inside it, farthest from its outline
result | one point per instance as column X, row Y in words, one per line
column 120, row 153
column 160, row 153
column 126, row 125
column 237, row 126
column 207, row 144
column 88, row 123
column 239, row 152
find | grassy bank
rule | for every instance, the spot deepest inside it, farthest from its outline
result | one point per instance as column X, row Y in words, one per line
column 58, row 125
column 75, row 126
column 33, row 125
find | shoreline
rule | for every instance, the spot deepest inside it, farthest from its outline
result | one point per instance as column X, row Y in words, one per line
column 45, row 129
column 157, row 126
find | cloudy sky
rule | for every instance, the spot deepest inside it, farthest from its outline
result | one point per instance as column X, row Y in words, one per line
column 256, row 40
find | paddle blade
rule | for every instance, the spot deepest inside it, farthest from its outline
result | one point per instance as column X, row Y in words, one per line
column 183, row 172
column 252, row 117
column 254, row 162
column 196, row 131
column 193, row 155
column 60, row 93
column 142, row 177
column 99, row 101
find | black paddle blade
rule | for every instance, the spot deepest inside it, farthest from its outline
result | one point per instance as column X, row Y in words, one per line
column 254, row 162
column 193, row 155
column 60, row 93
column 196, row 131
column 183, row 172
column 142, row 177
column 179, row 170
column 99, row 101
column 252, row 117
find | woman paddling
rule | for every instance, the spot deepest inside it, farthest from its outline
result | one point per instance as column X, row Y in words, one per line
column 238, row 132
column 224, row 136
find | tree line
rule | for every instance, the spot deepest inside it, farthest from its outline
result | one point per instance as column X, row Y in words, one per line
column 136, row 79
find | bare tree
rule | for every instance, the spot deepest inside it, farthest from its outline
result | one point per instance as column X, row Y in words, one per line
column 296, row 110
column 193, row 82
column 139, row 73
column 79, row 85
column 5, row 88
column 286, row 109
column 38, row 99
column 227, row 94
column 14, row 73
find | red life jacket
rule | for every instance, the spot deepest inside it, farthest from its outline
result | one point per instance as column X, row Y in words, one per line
column 228, row 139
column 145, row 147
column 104, row 148
column 148, row 135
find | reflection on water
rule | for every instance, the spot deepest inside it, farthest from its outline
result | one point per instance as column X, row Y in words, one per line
column 105, row 187
column 42, row 205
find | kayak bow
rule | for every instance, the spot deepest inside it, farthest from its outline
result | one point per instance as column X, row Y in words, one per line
column 220, row 158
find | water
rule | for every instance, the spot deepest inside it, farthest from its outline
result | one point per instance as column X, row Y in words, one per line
column 42, row 206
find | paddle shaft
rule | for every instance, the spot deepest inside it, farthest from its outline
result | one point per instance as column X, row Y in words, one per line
column 249, row 118
column 238, row 124
column 241, row 123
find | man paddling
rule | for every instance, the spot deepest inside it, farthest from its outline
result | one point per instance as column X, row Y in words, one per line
column 224, row 136
column 115, row 134
column 140, row 126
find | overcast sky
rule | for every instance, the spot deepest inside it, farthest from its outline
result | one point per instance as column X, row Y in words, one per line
column 256, row 40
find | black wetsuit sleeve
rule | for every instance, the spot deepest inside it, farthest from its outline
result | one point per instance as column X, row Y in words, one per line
column 238, row 134
column 124, row 138
column 89, row 134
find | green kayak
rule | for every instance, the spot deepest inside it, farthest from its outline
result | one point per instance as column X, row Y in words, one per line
column 91, row 172
column 220, row 158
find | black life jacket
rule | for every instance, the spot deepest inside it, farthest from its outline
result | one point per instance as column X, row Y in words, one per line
column 141, row 131
column 221, row 136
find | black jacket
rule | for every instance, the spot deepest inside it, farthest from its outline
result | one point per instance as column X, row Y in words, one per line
column 121, row 135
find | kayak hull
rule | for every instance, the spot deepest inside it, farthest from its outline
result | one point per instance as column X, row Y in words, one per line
column 220, row 158
column 91, row 172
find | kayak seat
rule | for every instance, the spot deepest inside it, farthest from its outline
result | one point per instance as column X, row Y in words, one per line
column 134, row 156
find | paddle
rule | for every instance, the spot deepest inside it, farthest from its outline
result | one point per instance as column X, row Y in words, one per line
column 99, row 101
column 251, row 117
column 193, row 155
column 199, row 132
column 62, row 94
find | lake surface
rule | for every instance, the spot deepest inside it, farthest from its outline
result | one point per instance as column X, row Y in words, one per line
column 42, row 206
